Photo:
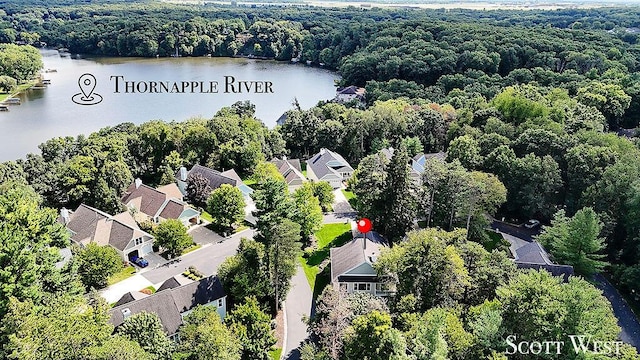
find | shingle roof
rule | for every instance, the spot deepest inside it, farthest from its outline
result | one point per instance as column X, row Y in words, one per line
column 170, row 303
column 534, row 256
column 289, row 170
column 171, row 190
column 295, row 163
column 150, row 199
column 91, row 225
column 215, row 178
column 174, row 282
column 172, row 210
column 129, row 297
column 421, row 159
column 351, row 255
column 326, row 162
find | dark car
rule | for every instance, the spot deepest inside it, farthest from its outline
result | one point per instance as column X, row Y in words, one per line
column 139, row 261
column 532, row 224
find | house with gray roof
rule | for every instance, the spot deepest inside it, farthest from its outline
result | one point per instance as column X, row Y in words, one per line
column 173, row 303
column 534, row 256
column 352, row 266
column 159, row 204
column 329, row 166
column 88, row 225
column 419, row 161
column 291, row 171
column 350, row 93
column 214, row 177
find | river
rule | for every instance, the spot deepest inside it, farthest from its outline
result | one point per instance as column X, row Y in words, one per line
column 50, row 112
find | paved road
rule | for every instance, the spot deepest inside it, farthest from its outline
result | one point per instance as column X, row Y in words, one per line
column 515, row 230
column 627, row 320
column 333, row 218
column 206, row 259
column 341, row 204
column 297, row 306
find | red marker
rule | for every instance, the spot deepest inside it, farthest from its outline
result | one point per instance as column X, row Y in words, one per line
column 364, row 225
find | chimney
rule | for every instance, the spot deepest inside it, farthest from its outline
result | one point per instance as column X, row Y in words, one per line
column 138, row 182
column 126, row 313
column 322, row 151
column 183, row 173
column 284, row 157
column 64, row 214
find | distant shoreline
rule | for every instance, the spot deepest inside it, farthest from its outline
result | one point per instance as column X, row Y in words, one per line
column 480, row 6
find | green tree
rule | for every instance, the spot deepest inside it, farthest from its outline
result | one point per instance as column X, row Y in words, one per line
column 439, row 334
column 272, row 204
column 324, row 192
column 245, row 274
column 398, row 196
column 97, row 264
column 371, row 337
column 119, row 348
column 67, row 327
column 172, row 235
column 204, row 336
column 466, row 150
column 610, row 99
column 427, row 266
column 8, row 84
column 575, row 241
column 226, row 206
column 265, row 170
column 283, row 248
column 146, row 329
column 308, row 211
column 252, row 327
column 367, row 183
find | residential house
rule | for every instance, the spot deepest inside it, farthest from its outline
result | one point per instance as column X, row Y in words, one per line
column 172, row 303
column 534, row 256
column 413, row 174
column 291, row 171
column 419, row 161
column 330, row 167
column 159, row 204
column 352, row 266
column 88, row 225
column 350, row 93
column 214, row 177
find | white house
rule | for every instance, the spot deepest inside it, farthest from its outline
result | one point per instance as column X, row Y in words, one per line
column 330, row 167
column 350, row 93
column 291, row 171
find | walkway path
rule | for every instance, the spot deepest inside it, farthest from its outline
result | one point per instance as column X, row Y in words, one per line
column 297, row 307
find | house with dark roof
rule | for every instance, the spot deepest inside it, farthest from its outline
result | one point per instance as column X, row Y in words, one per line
column 350, row 93
column 291, row 171
column 214, row 177
column 159, row 204
column 419, row 161
column 172, row 303
column 352, row 266
column 534, row 256
column 88, row 225
column 330, row 167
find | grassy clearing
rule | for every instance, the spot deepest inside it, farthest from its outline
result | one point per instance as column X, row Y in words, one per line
column 351, row 197
column 330, row 235
column 275, row 354
column 21, row 88
column 193, row 247
column 206, row 216
column 125, row 273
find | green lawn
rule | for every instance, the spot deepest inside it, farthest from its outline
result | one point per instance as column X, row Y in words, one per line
column 191, row 248
column 351, row 197
column 275, row 354
column 20, row 89
column 125, row 273
column 330, row 235
column 249, row 182
column 206, row 216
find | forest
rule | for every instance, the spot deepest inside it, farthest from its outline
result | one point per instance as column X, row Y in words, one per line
column 526, row 106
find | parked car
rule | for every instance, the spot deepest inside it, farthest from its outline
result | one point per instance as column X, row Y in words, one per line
column 142, row 262
column 531, row 224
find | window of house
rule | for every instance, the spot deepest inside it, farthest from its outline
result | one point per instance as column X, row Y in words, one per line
column 362, row 287
column 139, row 241
column 220, row 302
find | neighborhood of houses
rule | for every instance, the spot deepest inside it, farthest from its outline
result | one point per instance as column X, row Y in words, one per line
column 351, row 265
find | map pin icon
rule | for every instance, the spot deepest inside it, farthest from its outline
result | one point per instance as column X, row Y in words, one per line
column 87, row 83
